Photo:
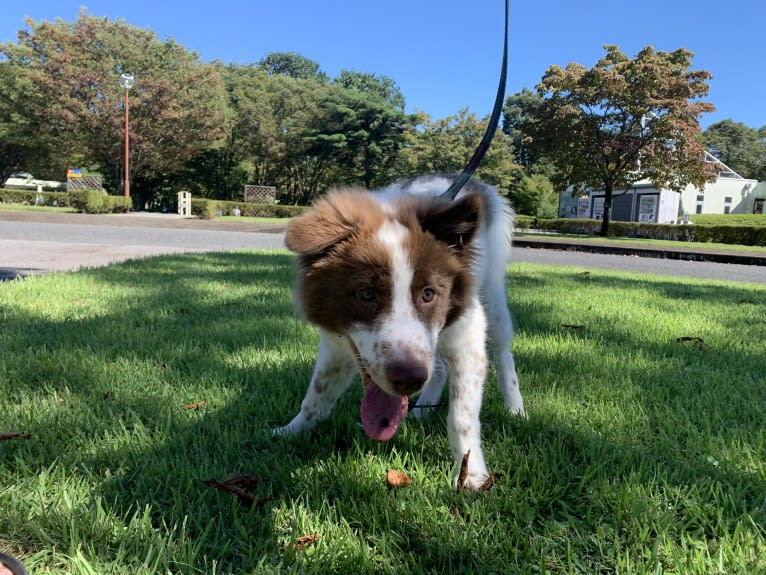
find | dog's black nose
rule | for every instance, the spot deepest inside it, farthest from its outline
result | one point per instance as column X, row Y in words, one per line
column 406, row 377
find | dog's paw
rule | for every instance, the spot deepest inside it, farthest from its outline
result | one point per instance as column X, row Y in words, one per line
column 471, row 482
column 284, row 431
column 470, row 473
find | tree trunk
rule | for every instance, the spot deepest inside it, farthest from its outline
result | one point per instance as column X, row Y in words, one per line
column 607, row 212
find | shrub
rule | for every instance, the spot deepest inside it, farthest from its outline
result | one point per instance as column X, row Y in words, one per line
column 34, row 198
column 99, row 202
column 728, row 219
column 746, row 235
column 207, row 209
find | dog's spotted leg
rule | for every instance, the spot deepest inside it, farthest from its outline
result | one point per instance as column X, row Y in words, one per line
column 500, row 334
column 467, row 357
column 333, row 373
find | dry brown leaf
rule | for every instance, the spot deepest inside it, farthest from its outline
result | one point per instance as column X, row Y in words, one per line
column 490, row 481
column 232, row 486
column 196, row 405
column 397, row 478
column 698, row 340
column 8, row 435
column 306, row 540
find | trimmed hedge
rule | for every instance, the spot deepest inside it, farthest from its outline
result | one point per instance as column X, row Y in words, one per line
column 99, row 202
column 33, row 198
column 208, row 209
column 721, row 234
column 87, row 201
column 728, row 219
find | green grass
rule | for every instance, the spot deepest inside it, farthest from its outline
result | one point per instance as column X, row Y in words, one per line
column 640, row 454
column 28, row 208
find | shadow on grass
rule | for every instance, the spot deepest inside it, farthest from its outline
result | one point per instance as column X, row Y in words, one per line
column 220, row 329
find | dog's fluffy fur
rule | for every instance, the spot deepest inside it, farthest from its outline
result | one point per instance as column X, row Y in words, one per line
column 406, row 287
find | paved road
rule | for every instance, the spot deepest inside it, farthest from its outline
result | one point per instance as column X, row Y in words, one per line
column 31, row 243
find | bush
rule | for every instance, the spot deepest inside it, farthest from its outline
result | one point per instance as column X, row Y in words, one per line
column 33, row 198
column 99, row 202
column 728, row 219
column 208, row 209
column 746, row 235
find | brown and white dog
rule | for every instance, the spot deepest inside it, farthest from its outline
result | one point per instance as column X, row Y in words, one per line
column 406, row 287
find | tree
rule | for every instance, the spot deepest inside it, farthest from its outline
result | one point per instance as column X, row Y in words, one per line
column 738, row 146
column 359, row 130
column 622, row 121
column 515, row 114
column 292, row 65
column 16, row 126
column 177, row 106
column 445, row 145
column 381, row 86
column 535, row 196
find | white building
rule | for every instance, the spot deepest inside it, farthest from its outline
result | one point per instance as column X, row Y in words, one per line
column 730, row 193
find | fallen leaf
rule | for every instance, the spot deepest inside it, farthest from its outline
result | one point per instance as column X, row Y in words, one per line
column 490, row 481
column 306, row 540
column 397, row 478
column 8, row 435
column 231, row 486
column 463, row 475
column 196, row 405
column 697, row 340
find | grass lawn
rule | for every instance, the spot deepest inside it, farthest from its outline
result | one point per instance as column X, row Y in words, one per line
column 135, row 384
column 28, row 208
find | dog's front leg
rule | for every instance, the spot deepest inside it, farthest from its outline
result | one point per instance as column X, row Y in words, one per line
column 332, row 375
column 466, row 354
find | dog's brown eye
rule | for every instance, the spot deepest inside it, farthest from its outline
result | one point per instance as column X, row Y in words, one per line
column 366, row 294
column 428, row 295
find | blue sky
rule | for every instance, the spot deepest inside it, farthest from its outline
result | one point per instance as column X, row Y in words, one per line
column 445, row 55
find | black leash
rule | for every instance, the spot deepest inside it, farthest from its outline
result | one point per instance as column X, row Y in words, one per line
column 486, row 140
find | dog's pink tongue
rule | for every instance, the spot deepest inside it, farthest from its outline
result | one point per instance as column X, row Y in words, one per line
column 382, row 413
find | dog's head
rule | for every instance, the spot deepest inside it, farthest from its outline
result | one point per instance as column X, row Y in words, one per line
column 388, row 276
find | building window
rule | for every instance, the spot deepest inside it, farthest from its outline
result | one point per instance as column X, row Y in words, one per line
column 726, row 209
column 700, row 202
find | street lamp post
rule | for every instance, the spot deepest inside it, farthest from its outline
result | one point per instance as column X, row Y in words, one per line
column 126, row 81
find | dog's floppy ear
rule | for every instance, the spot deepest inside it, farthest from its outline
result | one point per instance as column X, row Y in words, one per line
column 331, row 220
column 453, row 223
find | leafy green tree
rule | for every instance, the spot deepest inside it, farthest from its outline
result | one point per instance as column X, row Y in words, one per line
column 17, row 148
column 535, row 196
column 445, row 145
column 292, row 65
column 738, row 146
column 177, row 106
column 373, row 84
column 622, row 121
column 515, row 113
column 360, row 131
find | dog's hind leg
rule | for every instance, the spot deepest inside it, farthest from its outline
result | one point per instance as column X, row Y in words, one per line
column 333, row 373
column 500, row 333
column 430, row 398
